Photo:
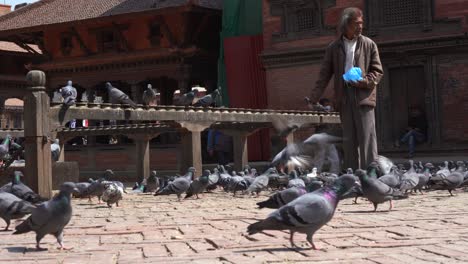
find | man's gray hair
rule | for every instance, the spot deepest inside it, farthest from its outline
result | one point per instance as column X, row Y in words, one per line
column 348, row 14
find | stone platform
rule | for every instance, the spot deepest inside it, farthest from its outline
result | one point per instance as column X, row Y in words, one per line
column 429, row 228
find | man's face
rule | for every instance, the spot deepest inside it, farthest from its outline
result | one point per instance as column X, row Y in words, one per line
column 355, row 27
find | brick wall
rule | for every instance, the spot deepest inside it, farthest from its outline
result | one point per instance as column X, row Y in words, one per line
column 287, row 87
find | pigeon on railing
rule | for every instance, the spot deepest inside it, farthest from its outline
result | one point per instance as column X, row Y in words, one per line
column 116, row 96
column 69, row 94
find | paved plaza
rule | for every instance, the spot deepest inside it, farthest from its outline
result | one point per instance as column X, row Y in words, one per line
column 425, row 228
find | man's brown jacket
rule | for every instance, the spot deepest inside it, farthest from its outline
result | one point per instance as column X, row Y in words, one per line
column 366, row 57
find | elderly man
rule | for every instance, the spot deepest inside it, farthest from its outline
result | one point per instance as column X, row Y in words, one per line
column 354, row 100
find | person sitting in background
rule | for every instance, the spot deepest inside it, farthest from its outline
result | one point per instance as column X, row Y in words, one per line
column 415, row 132
column 220, row 144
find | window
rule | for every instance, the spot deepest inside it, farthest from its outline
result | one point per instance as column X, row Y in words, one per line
column 155, row 34
column 404, row 15
column 299, row 18
column 402, row 12
column 66, row 43
column 306, row 19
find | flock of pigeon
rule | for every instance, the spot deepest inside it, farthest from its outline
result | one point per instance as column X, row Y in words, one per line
column 304, row 200
column 149, row 97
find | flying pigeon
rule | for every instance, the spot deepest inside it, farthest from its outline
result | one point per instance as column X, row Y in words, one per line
column 306, row 214
column 315, row 150
column 69, row 94
column 116, row 96
column 149, row 96
column 50, row 217
column 12, row 207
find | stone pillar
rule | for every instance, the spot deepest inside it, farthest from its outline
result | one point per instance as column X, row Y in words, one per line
column 143, row 157
column 191, row 147
column 36, row 131
column 239, row 141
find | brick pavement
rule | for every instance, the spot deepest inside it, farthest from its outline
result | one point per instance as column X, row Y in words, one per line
column 429, row 228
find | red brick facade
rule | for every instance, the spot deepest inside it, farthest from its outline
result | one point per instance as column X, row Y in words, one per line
column 427, row 54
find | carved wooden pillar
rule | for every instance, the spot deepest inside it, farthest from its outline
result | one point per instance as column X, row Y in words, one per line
column 239, row 141
column 241, row 156
column 143, row 166
column 191, row 151
column 36, row 131
column 135, row 90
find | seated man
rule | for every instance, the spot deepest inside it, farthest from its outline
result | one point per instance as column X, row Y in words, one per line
column 416, row 130
column 219, row 144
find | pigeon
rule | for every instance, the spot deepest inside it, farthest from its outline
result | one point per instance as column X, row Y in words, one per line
column 116, row 96
column 55, row 150
column 109, row 174
column 315, row 150
column 187, row 98
column 149, row 96
column 152, row 183
column 392, row 179
column 237, row 183
column 260, row 182
column 21, row 190
column 198, row 185
column 449, row 182
column 82, row 188
column 423, row 178
column 409, row 179
column 12, row 207
column 50, row 217
column 295, row 181
column 282, row 197
column 6, row 145
column 112, row 193
column 213, row 179
column 384, row 165
column 178, row 186
column 207, row 100
column 69, row 94
column 96, row 188
column 376, row 191
column 306, row 214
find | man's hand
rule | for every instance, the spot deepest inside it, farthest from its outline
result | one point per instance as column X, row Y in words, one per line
column 364, row 83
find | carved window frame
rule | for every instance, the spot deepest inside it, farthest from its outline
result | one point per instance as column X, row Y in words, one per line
column 289, row 11
column 376, row 22
column 66, row 43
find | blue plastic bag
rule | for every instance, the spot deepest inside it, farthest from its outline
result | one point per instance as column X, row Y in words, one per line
column 353, row 75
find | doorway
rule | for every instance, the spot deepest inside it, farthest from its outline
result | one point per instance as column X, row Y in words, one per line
column 407, row 89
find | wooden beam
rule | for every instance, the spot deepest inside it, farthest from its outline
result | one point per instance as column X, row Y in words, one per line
column 83, row 46
column 20, row 42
